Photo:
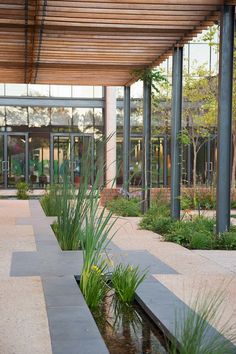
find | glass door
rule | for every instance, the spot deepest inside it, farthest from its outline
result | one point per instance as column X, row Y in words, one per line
column 16, row 162
column 67, row 152
column 82, row 157
column 2, row 162
column 60, row 156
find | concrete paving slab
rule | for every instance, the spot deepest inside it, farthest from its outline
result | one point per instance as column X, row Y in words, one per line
column 23, row 322
column 225, row 259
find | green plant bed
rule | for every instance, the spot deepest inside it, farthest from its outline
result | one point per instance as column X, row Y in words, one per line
column 68, row 242
column 157, row 218
column 125, row 207
column 51, row 201
column 197, row 233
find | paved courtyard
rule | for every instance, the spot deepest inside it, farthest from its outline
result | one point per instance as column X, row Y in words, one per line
column 41, row 308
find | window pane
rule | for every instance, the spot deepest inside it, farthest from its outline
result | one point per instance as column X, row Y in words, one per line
column 16, row 115
column 2, row 90
column 39, row 157
column 83, row 118
column 38, row 90
column 16, row 90
column 98, row 92
column 82, row 91
column 60, row 91
column 61, row 116
column 39, row 116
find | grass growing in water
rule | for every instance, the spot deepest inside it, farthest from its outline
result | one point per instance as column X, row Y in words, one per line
column 97, row 235
column 125, row 280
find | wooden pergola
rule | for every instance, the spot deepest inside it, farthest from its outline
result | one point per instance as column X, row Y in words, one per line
column 94, row 42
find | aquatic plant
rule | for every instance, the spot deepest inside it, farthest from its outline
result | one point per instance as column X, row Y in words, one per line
column 95, row 287
column 96, row 237
column 125, row 280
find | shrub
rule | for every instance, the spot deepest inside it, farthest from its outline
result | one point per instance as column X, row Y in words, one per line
column 227, row 240
column 195, row 234
column 152, row 218
column 125, row 207
column 125, row 280
column 203, row 199
column 22, row 190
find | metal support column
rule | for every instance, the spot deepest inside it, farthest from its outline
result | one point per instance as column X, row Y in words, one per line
column 126, row 141
column 165, row 161
column 208, row 164
column 225, row 119
column 175, row 131
column 146, row 161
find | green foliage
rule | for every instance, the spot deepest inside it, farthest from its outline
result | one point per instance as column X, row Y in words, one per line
column 184, row 137
column 96, row 287
column 193, row 327
column 125, row 207
column 200, row 199
column 51, row 201
column 125, row 280
column 157, row 216
column 22, row 190
column 97, row 234
column 227, row 240
column 70, row 216
column 152, row 76
column 197, row 233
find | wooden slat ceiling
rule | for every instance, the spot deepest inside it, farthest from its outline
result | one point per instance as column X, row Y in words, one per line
column 94, row 42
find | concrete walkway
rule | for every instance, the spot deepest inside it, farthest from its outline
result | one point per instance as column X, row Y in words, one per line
column 23, row 317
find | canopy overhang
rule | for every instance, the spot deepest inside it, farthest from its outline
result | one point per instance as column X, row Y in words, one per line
column 95, row 42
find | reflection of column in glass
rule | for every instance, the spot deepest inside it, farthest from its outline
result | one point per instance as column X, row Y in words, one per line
column 111, row 133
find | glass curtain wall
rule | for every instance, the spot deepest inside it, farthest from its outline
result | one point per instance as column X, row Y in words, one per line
column 200, row 62
column 29, row 133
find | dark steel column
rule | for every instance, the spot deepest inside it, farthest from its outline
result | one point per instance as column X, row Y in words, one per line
column 208, row 172
column 146, row 161
column 225, row 119
column 165, row 157
column 177, row 78
column 126, row 141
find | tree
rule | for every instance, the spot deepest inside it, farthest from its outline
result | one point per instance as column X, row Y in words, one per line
column 200, row 109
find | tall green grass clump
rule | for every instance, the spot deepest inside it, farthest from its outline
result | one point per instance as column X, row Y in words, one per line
column 97, row 235
column 125, row 280
column 195, row 328
column 69, row 226
column 51, row 201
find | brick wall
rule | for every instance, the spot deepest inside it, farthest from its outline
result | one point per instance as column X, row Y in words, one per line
column 109, row 194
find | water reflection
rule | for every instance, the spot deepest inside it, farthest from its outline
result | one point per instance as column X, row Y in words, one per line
column 127, row 330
